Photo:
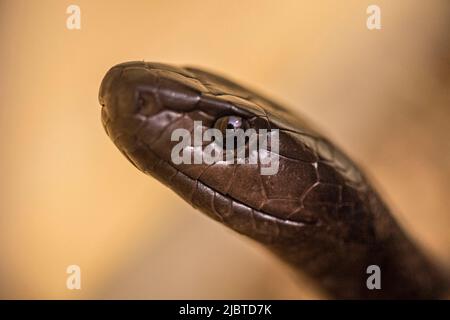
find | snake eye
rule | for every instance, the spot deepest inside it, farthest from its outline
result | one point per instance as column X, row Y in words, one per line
column 233, row 130
column 230, row 123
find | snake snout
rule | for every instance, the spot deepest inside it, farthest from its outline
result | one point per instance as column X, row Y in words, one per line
column 121, row 87
column 107, row 82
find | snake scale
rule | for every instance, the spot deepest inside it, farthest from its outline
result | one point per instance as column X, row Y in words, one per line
column 318, row 213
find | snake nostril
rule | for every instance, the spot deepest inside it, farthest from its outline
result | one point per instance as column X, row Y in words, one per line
column 146, row 103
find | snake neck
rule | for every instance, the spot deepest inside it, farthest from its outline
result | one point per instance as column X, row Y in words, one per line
column 343, row 269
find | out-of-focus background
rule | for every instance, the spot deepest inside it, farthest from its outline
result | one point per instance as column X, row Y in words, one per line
column 67, row 196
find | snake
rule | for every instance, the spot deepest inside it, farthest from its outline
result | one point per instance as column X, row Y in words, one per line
column 319, row 213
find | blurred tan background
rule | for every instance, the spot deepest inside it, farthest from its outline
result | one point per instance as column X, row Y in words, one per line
column 67, row 196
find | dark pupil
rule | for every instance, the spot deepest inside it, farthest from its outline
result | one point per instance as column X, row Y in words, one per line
column 231, row 123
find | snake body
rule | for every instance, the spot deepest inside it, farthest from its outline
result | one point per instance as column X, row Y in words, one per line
column 319, row 213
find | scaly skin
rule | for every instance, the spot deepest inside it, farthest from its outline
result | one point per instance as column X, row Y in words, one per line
column 318, row 213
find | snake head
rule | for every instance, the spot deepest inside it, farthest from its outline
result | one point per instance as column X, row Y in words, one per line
column 315, row 186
